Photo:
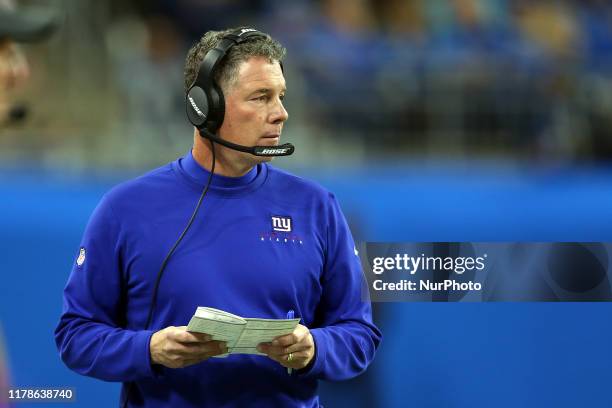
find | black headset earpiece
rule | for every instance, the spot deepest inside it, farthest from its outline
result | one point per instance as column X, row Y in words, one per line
column 204, row 100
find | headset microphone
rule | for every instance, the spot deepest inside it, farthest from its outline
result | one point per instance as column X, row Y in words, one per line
column 269, row 151
column 205, row 102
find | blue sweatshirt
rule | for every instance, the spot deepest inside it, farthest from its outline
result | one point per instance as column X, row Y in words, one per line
column 235, row 257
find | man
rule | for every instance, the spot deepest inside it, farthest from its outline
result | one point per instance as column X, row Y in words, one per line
column 17, row 26
column 266, row 244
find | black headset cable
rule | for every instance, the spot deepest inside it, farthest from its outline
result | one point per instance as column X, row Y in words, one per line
column 170, row 253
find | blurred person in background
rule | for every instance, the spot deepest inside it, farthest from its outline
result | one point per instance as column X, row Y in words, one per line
column 148, row 75
column 15, row 26
column 266, row 244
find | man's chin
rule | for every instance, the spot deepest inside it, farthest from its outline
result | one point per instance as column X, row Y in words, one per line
column 269, row 141
column 255, row 160
column 264, row 159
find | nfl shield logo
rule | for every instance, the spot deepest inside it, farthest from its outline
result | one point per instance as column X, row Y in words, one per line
column 81, row 258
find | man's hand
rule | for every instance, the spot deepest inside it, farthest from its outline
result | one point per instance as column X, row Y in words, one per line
column 175, row 347
column 293, row 350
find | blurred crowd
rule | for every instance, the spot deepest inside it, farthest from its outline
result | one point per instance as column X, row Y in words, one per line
column 526, row 77
column 517, row 78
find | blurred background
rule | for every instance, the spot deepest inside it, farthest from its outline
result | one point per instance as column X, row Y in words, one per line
column 431, row 120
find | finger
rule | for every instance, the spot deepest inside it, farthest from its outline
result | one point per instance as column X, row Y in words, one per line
column 215, row 353
column 280, row 351
column 298, row 360
column 298, row 335
column 199, row 349
column 219, row 348
column 305, row 343
column 279, row 359
column 181, row 334
column 287, row 340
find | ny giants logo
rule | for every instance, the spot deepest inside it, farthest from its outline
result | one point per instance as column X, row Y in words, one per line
column 282, row 231
column 281, row 224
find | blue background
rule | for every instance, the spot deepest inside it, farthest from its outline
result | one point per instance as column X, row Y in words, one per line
column 433, row 355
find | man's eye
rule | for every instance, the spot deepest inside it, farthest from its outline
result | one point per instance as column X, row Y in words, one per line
column 260, row 98
column 282, row 97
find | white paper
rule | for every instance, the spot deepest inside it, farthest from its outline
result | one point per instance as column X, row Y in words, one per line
column 241, row 335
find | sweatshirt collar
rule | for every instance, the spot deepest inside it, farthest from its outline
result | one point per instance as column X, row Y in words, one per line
column 189, row 167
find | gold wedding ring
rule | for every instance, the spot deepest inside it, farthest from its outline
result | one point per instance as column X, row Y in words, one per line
column 290, row 357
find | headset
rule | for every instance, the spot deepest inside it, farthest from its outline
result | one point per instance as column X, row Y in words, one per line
column 205, row 103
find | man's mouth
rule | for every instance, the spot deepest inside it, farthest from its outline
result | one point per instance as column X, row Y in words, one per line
column 272, row 138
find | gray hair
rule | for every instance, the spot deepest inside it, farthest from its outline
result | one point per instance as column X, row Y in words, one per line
column 227, row 70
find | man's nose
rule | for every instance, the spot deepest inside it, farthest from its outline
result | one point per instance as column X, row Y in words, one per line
column 279, row 115
column 13, row 66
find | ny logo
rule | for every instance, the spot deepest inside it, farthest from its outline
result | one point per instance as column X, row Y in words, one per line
column 282, row 224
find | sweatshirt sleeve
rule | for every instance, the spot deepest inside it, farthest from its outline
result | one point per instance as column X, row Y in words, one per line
column 90, row 336
column 345, row 336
